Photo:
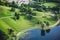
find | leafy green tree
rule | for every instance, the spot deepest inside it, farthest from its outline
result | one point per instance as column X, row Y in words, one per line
column 38, row 22
column 10, row 31
column 1, row 2
column 47, row 23
column 34, row 14
column 36, row 0
column 17, row 16
column 12, row 9
column 13, row 3
column 23, row 8
column 6, row 3
column 29, row 11
column 42, row 26
column 28, row 17
column 3, row 36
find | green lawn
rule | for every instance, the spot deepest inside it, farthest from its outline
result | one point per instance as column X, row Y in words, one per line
column 50, row 4
column 22, row 23
column 17, row 25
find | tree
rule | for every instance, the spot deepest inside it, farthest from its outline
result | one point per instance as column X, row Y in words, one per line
column 39, row 0
column 39, row 9
column 23, row 8
column 42, row 26
column 29, row 11
column 17, row 16
column 38, row 22
column 12, row 9
column 36, row 0
column 34, row 14
column 6, row 3
column 13, row 4
column 47, row 23
column 29, row 17
column 3, row 36
column 10, row 31
column 1, row 2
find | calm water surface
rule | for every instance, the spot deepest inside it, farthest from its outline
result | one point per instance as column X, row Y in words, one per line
column 54, row 34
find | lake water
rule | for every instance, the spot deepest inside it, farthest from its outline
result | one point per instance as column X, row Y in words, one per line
column 54, row 34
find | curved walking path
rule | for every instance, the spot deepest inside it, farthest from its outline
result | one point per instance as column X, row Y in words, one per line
column 23, row 31
column 5, row 17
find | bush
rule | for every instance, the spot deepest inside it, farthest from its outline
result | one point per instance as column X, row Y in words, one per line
column 12, row 9
column 3, row 36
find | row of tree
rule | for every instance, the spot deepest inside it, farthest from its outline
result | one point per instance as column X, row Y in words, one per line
column 11, row 4
column 57, row 1
column 3, row 36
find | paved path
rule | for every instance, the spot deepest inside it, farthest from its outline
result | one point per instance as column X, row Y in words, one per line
column 6, row 17
column 23, row 31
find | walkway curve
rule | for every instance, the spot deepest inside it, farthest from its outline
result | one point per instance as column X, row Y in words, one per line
column 6, row 17
column 23, row 31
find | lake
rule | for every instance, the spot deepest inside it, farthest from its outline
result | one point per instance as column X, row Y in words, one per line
column 53, row 34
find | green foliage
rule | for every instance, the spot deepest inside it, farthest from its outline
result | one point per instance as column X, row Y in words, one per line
column 12, row 9
column 23, row 8
column 28, row 17
column 1, row 3
column 28, row 9
column 10, row 31
column 3, row 36
column 14, row 5
column 17, row 16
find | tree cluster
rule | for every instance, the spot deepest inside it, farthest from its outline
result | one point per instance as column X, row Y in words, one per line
column 3, row 36
column 9, row 4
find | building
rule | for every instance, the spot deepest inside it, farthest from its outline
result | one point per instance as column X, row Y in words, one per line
column 19, row 2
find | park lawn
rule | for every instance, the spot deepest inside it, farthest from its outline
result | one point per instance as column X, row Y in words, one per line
column 4, row 12
column 45, row 16
column 4, row 27
column 50, row 4
column 16, row 25
column 11, row 23
column 22, row 23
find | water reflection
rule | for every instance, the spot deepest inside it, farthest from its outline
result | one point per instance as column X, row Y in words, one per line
column 42, row 32
column 50, row 34
column 48, row 30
